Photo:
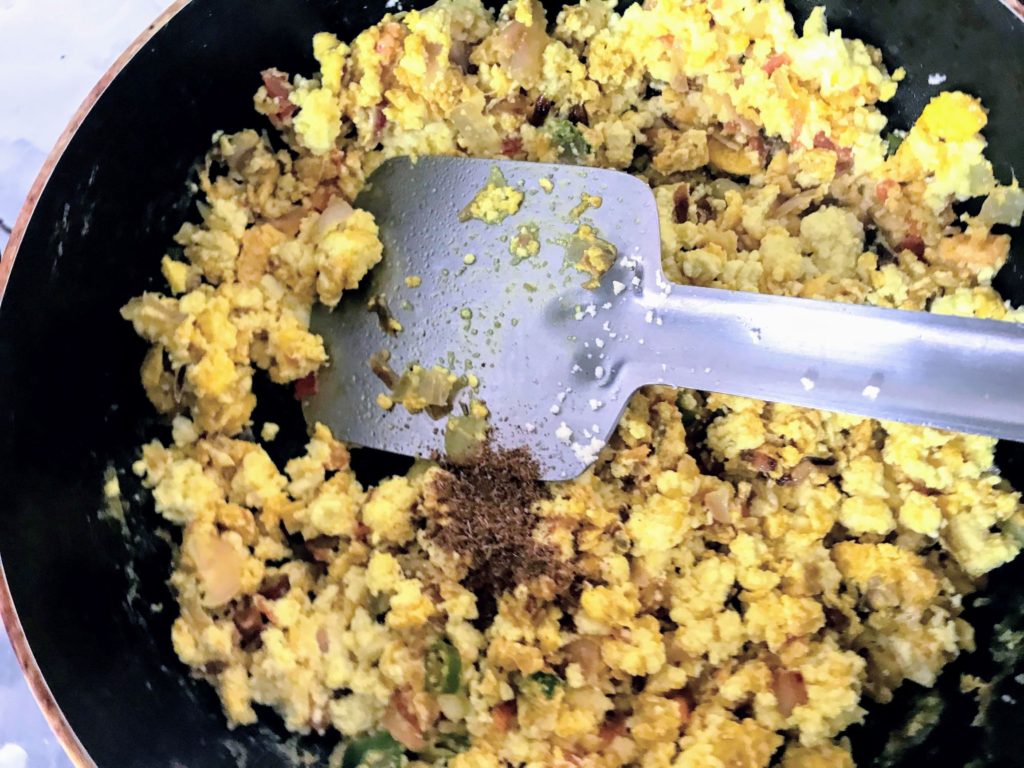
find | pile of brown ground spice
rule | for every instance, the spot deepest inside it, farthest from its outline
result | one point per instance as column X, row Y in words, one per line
column 489, row 520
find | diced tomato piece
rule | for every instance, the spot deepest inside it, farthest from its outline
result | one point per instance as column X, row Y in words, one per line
column 306, row 387
column 912, row 243
column 775, row 61
column 511, row 145
column 380, row 120
column 844, row 155
column 885, row 188
column 504, row 716
column 278, row 89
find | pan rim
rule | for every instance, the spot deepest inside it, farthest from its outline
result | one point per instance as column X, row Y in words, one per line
column 1016, row 7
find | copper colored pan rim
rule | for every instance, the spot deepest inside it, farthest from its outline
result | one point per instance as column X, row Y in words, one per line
column 1016, row 7
column 40, row 690
column 33, row 675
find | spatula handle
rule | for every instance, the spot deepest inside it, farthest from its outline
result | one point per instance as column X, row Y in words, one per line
column 947, row 372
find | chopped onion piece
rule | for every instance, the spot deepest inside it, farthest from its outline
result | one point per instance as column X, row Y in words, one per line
column 717, row 503
column 524, row 46
column 790, row 690
column 586, row 652
column 475, row 132
column 402, row 724
column 335, row 214
column 219, row 567
column 1005, row 205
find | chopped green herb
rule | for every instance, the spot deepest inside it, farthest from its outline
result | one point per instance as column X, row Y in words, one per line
column 548, row 682
column 567, row 137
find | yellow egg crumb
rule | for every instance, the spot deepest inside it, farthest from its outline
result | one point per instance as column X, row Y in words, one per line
column 495, row 202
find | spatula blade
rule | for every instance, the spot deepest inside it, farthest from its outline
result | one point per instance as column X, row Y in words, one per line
column 528, row 329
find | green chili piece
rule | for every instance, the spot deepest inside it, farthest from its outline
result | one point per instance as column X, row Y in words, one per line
column 548, row 682
column 443, row 667
column 893, row 141
column 377, row 750
column 448, row 745
column 569, row 140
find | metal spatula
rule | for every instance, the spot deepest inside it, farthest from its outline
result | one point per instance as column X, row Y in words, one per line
column 557, row 361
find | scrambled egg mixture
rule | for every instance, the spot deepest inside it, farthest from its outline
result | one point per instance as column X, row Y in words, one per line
column 746, row 573
column 495, row 202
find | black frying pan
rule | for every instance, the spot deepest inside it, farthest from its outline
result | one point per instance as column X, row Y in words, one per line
column 70, row 399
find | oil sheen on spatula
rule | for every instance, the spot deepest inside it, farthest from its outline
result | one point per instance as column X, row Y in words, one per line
column 559, row 311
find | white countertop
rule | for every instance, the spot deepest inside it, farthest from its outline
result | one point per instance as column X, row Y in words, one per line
column 51, row 53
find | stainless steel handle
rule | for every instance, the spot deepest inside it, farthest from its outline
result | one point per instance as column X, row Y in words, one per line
column 947, row 372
